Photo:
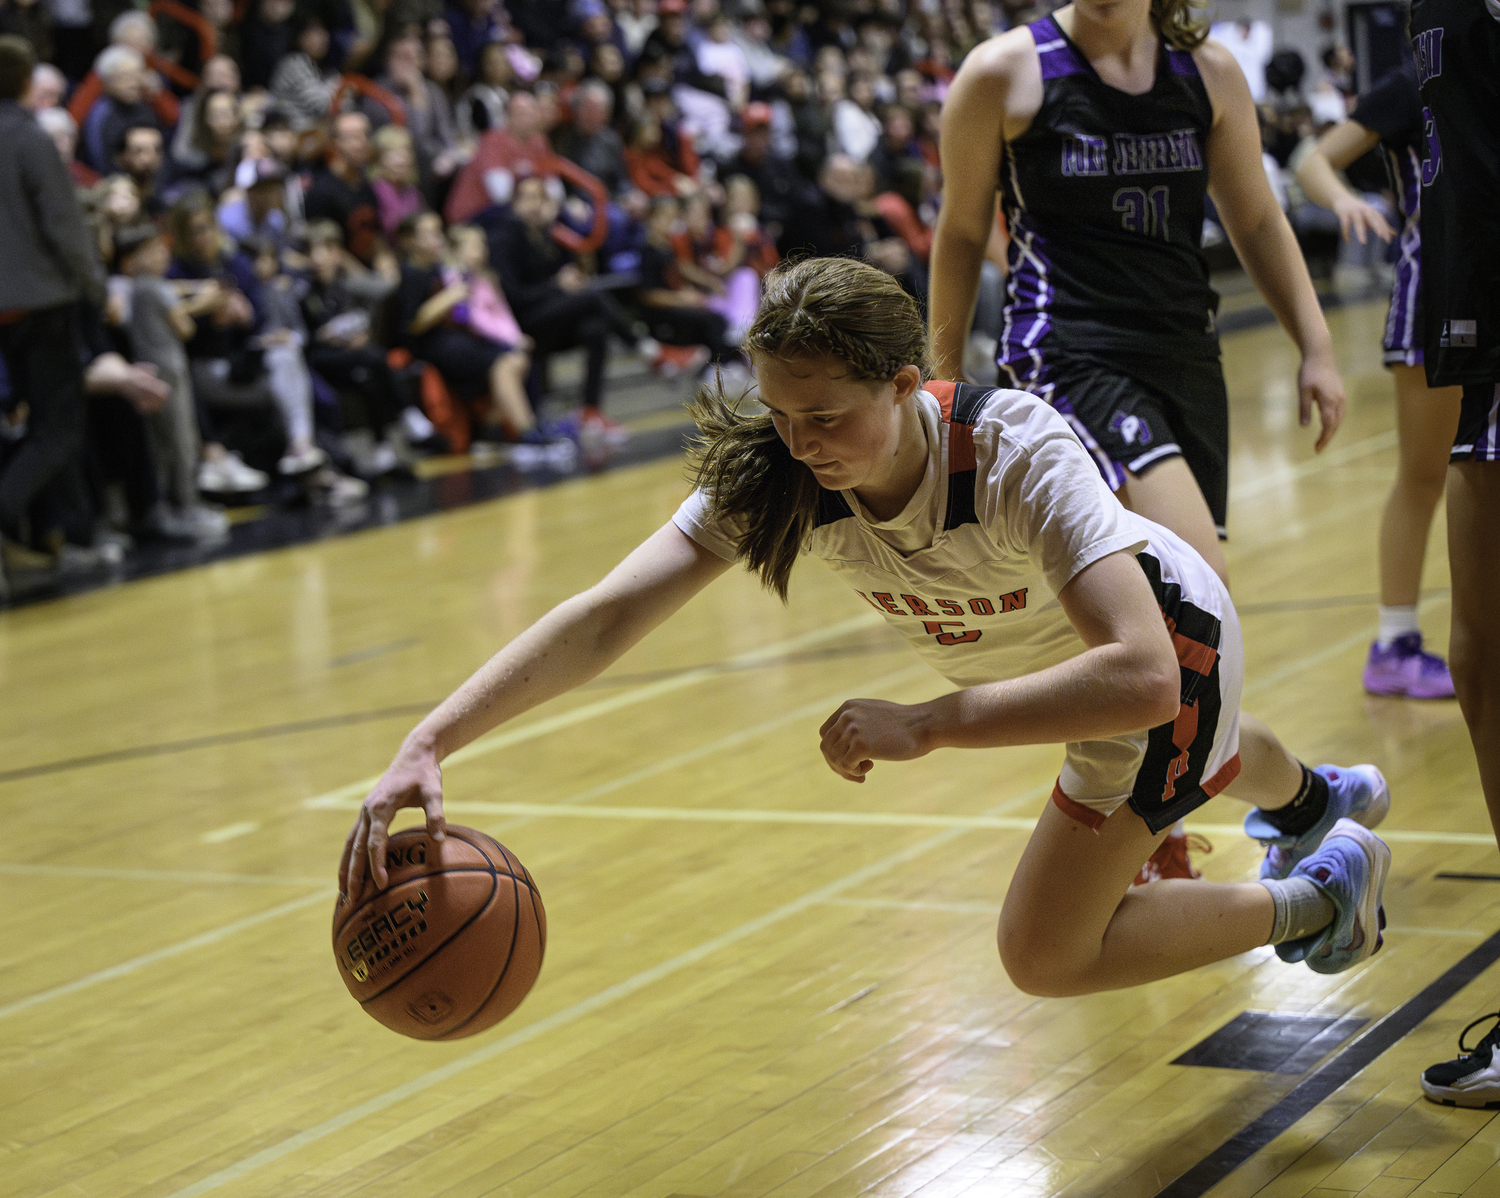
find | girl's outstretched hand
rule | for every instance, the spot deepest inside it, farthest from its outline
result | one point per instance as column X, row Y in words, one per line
column 864, row 731
column 414, row 779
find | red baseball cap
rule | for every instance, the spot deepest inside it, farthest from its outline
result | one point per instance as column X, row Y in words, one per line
column 671, row 6
column 755, row 113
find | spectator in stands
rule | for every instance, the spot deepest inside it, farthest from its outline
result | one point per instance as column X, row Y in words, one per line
column 49, row 266
column 676, row 313
column 742, row 217
column 428, row 113
column 340, row 192
column 213, row 148
column 503, row 155
column 161, row 320
column 220, row 73
column 482, row 107
column 58, row 124
column 473, row 366
column 661, row 161
column 781, row 186
column 266, row 37
column 306, row 79
column 636, row 21
column 898, row 143
column 393, row 178
column 253, row 392
column 473, row 28
column 711, row 257
column 552, row 300
column 856, row 128
column 588, row 139
column 338, row 310
column 140, row 155
column 720, row 56
column 122, row 72
column 48, row 87
column 257, row 206
column 843, row 222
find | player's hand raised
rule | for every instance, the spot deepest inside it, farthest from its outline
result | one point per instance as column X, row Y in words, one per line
column 864, row 731
column 414, row 779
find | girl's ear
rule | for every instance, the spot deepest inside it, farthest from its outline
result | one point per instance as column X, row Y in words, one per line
column 908, row 382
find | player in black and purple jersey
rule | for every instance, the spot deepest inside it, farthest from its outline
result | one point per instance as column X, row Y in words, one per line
column 1457, row 46
column 1104, row 126
column 1390, row 115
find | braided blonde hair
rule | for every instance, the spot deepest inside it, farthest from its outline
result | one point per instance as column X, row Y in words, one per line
column 1182, row 22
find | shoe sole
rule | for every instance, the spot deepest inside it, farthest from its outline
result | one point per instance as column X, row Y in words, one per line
column 1370, row 914
column 1439, row 1095
column 1371, row 815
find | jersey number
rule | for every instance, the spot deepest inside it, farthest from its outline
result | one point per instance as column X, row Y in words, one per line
column 935, row 627
column 1144, row 212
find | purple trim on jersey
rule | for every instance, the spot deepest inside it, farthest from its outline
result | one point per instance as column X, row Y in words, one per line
column 1403, row 331
column 1054, row 51
column 1181, row 62
column 1028, row 299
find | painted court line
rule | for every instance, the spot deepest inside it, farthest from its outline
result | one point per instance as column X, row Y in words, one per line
column 153, row 875
column 161, row 954
column 495, row 741
column 231, row 832
column 562, row 1018
column 864, row 819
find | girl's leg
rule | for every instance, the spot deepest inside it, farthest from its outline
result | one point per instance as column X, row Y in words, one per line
column 1426, row 421
column 508, row 391
column 1473, row 512
column 1168, row 495
column 1072, row 925
column 291, row 384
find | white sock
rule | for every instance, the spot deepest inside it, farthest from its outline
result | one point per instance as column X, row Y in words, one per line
column 1301, row 908
column 1396, row 622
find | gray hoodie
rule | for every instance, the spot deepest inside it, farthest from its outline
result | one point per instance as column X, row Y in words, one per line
column 48, row 255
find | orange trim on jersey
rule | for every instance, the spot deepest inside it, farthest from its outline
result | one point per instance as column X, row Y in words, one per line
column 1228, row 772
column 943, row 393
column 1087, row 816
column 1194, row 655
column 961, row 448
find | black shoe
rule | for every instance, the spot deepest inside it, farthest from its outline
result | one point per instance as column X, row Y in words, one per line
column 1473, row 1079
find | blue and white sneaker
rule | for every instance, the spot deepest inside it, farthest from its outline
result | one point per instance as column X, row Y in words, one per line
column 1357, row 792
column 1350, row 868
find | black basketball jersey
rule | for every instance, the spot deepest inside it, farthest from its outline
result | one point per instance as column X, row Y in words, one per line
column 1457, row 46
column 1104, row 198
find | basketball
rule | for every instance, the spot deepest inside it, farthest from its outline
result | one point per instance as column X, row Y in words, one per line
column 452, row 945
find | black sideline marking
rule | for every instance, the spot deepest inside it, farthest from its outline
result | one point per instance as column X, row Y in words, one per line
column 1234, row 1152
column 1265, row 1042
column 166, row 748
column 1470, row 877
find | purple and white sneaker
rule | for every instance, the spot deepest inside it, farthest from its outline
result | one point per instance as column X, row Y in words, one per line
column 1405, row 670
column 1350, row 867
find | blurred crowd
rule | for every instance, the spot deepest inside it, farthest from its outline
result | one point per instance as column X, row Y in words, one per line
column 323, row 238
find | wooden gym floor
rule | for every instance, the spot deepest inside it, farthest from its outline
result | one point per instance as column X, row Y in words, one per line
column 761, row 980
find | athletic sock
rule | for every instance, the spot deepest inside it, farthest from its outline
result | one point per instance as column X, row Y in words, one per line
column 1396, row 622
column 1301, row 908
column 1299, row 816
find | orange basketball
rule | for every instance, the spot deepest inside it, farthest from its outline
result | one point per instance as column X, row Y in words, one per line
column 452, row 945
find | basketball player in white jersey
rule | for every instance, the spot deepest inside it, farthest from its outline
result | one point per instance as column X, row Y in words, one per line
column 976, row 523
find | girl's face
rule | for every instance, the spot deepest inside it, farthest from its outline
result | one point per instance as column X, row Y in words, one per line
column 851, row 433
column 325, row 260
column 442, row 61
column 471, row 251
column 395, row 161
column 314, row 42
column 696, row 216
column 222, row 116
column 427, row 240
column 494, row 66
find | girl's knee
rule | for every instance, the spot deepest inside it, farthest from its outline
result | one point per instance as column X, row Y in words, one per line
column 1035, row 965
